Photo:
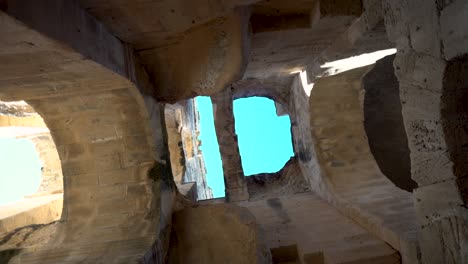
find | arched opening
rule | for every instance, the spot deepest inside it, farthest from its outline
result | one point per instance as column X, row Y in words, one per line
column 349, row 169
column 31, row 183
column 99, row 123
column 263, row 129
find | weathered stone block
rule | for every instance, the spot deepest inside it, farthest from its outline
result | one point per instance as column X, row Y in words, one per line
column 424, row 27
column 134, row 158
column 130, row 129
column 126, row 175
column 64, row 137
column 424, row 135
column 108, row 162
column 107, row 147
column 454, row 33
column 419, row 103
column 84, row 180
column 76, row 167
column 430, row 167
column 243, row 244
column 96, row 134
column 437, row 201
column 445, row 241
column 396, row 20
column 418, row 69
column 72, row 151
column 116, row 206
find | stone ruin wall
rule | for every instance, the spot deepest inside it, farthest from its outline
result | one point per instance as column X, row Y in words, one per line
column 188, row 166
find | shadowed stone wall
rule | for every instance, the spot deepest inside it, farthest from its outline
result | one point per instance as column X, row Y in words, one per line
column 384, row 126
column 288, row 180
column 229, row 233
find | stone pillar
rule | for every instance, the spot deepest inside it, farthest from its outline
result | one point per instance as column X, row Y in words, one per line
column 236, row 188
column 101, row 128
column 429, row 34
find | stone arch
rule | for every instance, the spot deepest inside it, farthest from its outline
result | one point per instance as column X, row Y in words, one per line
column 383, row 123
column 43, row 206
column 20, row 120
column 270, row 89
column 350, row 176
column 100, row 126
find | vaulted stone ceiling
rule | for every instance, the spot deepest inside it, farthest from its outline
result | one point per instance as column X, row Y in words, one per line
column 248, row 40
column 149, row 24
column 173, row 38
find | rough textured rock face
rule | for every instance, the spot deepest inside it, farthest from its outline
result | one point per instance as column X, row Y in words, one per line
column 229, row 234
column 286, row 181
column 219, row 45
column 301, row 132
column 183, row 36
column 384, row 126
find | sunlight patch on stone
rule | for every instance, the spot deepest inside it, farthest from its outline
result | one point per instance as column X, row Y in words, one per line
column 338, row 66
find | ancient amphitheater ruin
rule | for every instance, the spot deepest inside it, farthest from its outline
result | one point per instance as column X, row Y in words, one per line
column 377, row 94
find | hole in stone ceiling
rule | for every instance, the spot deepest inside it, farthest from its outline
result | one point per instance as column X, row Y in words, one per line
column 264, row 135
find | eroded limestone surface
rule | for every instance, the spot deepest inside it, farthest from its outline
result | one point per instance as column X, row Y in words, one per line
column 216, row 234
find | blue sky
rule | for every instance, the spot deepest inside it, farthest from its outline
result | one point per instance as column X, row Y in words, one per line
column 210, row 147
column 265, row 142
column 20, row 169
